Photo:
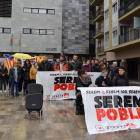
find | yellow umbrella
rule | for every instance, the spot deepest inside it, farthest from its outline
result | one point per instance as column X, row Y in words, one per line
column 22, row 56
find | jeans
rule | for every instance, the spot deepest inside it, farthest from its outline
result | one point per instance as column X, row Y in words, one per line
column 20, row 84
column 33, row 81
column 3, row 82
column 26, row 83
column 13, row 83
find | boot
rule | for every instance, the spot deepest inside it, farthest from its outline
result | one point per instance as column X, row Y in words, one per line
column 82, row 109
column 78, row 111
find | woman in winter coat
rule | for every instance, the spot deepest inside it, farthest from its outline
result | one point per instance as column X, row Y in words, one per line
column 33, row 72
column 3, row 76
column 87, row 66
column 83, row 80
column 14, row 77
column 103, row 80
column 26, row 68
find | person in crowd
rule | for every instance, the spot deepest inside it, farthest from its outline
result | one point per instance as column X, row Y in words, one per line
column 74, row 65
column 45, row 65
column 53, row 62
column 26, row 68
column 19, row 63
column 83, row 80
column 96, row 66
column 92, row 62
column 14, row 76
column 3, row 76
column 120, row 79
column 103, row 80
column 102, row 65
column 33, row 72
column 106, row 64
column 114, row 70
column 87, row 66
column 62, row 65
column 84, row 63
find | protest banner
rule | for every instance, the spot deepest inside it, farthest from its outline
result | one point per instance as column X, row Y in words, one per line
column 60, row 85
column 110, row 109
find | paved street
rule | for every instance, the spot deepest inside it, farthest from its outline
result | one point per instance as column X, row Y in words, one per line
column 59, row 122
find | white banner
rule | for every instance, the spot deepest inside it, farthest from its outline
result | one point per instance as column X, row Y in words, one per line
column 110, row 109
column 60, row 85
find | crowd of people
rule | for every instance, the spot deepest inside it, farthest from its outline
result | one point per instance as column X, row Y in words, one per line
column 20, row 76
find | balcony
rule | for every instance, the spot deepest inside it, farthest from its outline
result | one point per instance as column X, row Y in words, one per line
column 99, row 16
column 127, row 40
column 129, row 11
column 99, row 33
column 100, row 50
column 96, row 2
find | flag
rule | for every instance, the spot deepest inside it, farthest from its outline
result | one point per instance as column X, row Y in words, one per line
column 11, row 41
column 39, row 58
column 20, row 40
column 9, row 61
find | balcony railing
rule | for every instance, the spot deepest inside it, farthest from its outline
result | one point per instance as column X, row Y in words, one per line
column 130, row 6
column 99, row 30
column 130, row 36
column 100, row 49
column 98, row 12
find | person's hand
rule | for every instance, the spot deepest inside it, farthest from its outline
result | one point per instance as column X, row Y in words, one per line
column 24, row 69
column 74, row 70
column 103, row 85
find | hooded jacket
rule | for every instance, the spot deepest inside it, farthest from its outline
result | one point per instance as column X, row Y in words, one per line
column 101, row 79
column 74, row 66
column 45, row 66
column 97, row 68
column 120, row 80
column 88, row 68
column 57, row 66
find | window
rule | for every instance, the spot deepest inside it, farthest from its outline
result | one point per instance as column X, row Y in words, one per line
column 38, row 31
column 99, row 44
column 26, row 31
column 43, row 32
column 7, row 30
column 115, row 33
column 106, row 14
column 39, row 11
column 27, row 10
column 106, row 36
column 35, row 31
column 50, row 32
column 5, row 8
column 35, row 11
column 42, row 11
column 115, row 8
column 51, row 12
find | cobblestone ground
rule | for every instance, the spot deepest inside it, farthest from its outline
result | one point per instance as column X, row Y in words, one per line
column 59, row 122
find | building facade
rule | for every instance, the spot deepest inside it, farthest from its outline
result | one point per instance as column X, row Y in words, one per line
column 121, row 34
column 31, row 26
column 75, row 37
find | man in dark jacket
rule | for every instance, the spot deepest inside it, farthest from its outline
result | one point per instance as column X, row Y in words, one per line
column 45, row 65
column 120, row 79
column 103, row 80
column 96, row 66
column 114, row 70
column 74, row 65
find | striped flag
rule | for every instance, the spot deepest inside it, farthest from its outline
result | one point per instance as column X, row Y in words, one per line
column 9, row 61
column 39, row 58
column 11, row 41
column 20, row 40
